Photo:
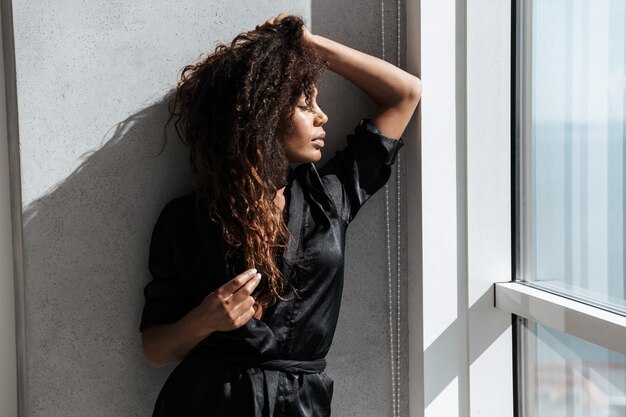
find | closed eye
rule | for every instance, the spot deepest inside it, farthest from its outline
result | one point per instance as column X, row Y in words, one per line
column 306, row 108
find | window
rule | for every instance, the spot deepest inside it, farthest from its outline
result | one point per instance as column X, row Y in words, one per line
column 573, row 377
column 570, row 206
column 575, row 164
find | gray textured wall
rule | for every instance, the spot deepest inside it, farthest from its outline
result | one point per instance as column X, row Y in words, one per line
column 92, row 81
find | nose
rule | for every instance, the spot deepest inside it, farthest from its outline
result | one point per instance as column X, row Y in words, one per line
column 320, row 117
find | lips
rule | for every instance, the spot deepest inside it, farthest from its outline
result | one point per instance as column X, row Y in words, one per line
column 319, row 141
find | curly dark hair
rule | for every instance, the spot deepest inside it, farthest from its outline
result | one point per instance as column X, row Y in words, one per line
column 233, row 110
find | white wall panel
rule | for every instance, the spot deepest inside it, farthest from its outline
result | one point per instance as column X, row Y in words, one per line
column 460, row 217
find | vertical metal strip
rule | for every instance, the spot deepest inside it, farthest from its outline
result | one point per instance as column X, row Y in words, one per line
column 394, row 331
column 528, row 354
column 398, row 236
column 525, row 197
column 392, row 336
column 461, row 212
column 524, row 352
column 16, row 197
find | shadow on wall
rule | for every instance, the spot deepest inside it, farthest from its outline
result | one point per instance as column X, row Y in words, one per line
column 90, row 238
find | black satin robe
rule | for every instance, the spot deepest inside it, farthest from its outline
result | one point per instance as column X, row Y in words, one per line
column 273, row 366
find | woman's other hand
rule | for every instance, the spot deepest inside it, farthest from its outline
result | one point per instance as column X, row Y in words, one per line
column 307, row 36
column 227, row 308
column 231, row 305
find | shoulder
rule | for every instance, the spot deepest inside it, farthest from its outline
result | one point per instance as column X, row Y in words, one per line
column 179, row 205
column 184, row 227
column 185, row 201
column 177, row 211
column 368, row 137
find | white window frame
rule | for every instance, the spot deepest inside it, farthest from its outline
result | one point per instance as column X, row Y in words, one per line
column 599, row 326
column 460, row 222
column 593, row 324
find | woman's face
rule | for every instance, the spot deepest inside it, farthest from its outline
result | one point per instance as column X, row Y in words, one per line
column 306, row 139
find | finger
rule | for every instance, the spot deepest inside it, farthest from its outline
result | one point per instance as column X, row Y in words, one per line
column 242, row 307
column 243, row 319
column 247, row 289
column 277, row 19
column 234, row 284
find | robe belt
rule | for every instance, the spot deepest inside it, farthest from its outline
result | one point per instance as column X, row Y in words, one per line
column 264, row 381
column 288, row 365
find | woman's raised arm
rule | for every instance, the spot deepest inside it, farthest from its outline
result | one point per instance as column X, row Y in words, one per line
column 395, row 92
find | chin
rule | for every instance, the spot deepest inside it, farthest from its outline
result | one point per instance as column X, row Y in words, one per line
column 308, row 158
column 317, row 157
column 305, row 157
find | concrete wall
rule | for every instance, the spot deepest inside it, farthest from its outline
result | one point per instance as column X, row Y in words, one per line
column 92, row 81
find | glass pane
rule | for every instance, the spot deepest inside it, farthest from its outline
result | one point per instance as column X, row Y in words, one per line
column 578, row 114
column 575, row 378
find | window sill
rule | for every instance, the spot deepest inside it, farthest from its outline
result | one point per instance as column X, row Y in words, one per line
column 593, row 324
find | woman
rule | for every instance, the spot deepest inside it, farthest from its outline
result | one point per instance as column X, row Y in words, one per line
column 248, row 268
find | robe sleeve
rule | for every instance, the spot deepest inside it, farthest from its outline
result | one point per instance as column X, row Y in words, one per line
column 166, row 297
column 355, row 173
